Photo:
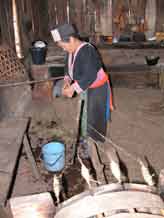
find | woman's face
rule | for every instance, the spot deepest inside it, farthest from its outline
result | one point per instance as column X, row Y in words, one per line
column 67, row 46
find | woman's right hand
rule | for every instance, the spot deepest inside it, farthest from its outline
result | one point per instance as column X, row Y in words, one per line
column 68, row 91
column 66, row 84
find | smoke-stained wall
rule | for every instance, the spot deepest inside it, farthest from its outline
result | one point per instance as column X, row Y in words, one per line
column 90, row 16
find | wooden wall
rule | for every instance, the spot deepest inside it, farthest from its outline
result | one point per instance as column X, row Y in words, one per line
column 6, row 25
column 57, row 12
column 34, row 14
column 37, row 17
column 160, row 15
column 137, row 7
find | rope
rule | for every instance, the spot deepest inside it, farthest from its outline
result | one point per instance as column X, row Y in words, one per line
column 118, row 147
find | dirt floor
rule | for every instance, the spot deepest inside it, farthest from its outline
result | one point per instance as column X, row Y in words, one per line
column 136, row 130
column 137, row 127
column 51, row 121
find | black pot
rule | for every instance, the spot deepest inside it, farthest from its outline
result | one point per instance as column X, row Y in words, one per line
column 152, row 60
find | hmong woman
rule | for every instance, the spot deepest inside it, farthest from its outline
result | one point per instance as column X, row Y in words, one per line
column 87, row 78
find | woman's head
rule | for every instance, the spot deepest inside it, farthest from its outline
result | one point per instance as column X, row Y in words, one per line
column 66, row 37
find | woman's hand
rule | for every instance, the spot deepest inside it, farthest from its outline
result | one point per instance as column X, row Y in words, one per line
column 66, row 84
column 68, row 91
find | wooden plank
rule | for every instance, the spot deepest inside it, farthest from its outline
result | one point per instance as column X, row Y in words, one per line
column 151, row 17
column 76, row 14
column 161, row 78
column 52, row 14
column 51, row 65
column 30, row 157
column 97, row 161
column 11, row 136
column 57, row 11
column 135, row 215
column 54, row 58
column 160, row 16
column 6, row 23
column 90, row 205
column 36, row 205
column 61, row 11
column 106, row 18
column 3, row 213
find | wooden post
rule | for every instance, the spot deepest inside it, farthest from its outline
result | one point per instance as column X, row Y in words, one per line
column 16, row 30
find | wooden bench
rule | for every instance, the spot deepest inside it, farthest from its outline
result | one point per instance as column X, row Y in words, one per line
column 12, row 138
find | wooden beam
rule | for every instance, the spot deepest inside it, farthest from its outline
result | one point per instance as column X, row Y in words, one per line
column 11, row 136
column 30, row 156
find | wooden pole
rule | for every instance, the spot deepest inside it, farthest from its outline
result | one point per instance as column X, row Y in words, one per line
column 16, row 30
column 29, row 82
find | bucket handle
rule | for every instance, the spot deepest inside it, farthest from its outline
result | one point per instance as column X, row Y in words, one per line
column 55, row 161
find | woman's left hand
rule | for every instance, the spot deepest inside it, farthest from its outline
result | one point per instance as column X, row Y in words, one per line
column 68, row 91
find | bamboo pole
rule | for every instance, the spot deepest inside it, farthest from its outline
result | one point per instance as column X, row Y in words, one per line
column 29, row 82
column 68, row 11
column 16, row 30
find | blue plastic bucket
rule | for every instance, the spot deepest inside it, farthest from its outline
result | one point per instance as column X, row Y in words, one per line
column 54, row 156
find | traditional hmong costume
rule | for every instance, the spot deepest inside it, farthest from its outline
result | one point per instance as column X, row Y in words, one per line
column 90, row 80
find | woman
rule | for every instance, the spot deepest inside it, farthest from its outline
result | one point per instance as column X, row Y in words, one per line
column 87, row 78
